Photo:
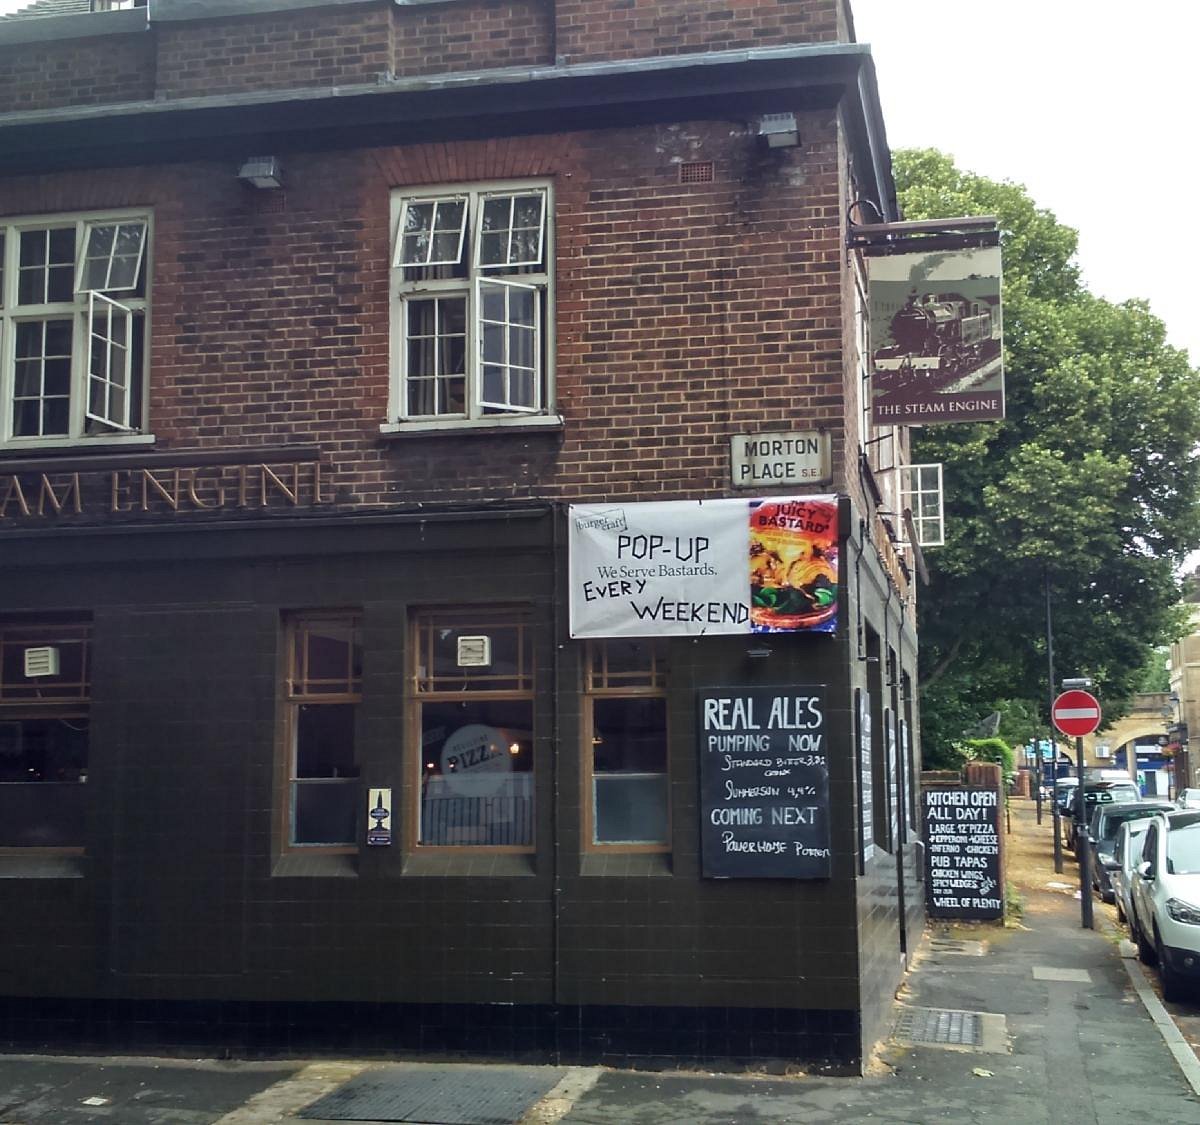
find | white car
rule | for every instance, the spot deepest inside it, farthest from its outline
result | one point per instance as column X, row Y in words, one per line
column 1188, row 799
column 1165, row 919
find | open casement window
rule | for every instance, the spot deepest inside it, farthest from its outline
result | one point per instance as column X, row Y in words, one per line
column 626, row 785
column 110, row 260
column 73, row 310
column 508, row 330
column 920, row 488
column 110, row 361
column 512, row 227
column 45, row 700
column 471, row 281
column 471, row 708
column 432, row 232
column 322, row 694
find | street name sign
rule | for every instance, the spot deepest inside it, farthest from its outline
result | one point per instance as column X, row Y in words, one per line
column 1076, row 713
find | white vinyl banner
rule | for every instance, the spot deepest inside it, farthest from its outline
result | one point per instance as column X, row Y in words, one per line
column 690, row 568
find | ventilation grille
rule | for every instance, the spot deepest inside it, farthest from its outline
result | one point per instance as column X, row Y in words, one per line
column 474, row 652
column 697, row 172
column 41, row 661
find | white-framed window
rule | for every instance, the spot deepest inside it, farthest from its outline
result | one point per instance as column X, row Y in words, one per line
column 920, row 489
column 73, row 315
column 472, row 304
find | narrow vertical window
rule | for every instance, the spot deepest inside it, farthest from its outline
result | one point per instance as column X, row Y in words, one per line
column 45, row 700
column 472, row 704
column 323, row 691
column 626, row 782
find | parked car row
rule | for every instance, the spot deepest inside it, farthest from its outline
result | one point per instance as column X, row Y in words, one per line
column 1152, row 872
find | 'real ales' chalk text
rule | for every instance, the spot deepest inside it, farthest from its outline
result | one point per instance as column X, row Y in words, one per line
column 167, row 491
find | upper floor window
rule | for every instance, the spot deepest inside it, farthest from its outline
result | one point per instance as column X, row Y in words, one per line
column 73, row 307
column 471, row 303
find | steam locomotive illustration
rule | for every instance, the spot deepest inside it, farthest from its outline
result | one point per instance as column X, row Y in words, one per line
column 935, row 339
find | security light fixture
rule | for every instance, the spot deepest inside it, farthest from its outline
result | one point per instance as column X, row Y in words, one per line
column 261, row 172
column 779, row 130
column 1078, row 683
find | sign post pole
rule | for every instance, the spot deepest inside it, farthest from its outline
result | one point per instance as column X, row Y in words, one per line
column 1076, row 713
column 1085, row 848
column 1055, row 811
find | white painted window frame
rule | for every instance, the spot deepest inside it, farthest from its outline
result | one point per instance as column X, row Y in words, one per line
column 478, row 414
column 110, row 362
column 925, row 501
column 79, row 311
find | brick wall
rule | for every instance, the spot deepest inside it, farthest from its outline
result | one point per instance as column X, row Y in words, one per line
column 685, row 312
column 306, row 48
column 589, row 30
column 76, row 72
column 473, row 36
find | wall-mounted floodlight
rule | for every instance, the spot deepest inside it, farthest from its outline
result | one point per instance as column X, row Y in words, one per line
column 261, row 172
column 779, row 130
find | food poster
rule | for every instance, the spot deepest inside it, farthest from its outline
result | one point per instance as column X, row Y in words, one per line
column 691, row 568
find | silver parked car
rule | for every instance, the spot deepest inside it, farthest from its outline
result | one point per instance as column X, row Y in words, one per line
column 1102, row 835
column 1127, row 854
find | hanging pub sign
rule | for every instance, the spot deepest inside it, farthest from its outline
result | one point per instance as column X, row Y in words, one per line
column 691, row 568
column 937, row 346
column 764, row 783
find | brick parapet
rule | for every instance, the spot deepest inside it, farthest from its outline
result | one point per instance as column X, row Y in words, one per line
column 368, row 43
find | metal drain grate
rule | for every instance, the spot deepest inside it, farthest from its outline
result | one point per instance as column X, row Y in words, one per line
column 438, row 1095
column 940, row 1026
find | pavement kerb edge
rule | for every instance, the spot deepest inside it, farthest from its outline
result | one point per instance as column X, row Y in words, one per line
column 1172, row 1036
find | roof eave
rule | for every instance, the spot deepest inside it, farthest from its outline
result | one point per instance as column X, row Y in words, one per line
column 478, row 104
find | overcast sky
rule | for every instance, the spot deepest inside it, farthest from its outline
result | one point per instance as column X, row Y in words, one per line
column 1091, row 104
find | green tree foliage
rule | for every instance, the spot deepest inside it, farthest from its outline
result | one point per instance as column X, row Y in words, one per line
column 1091, row 484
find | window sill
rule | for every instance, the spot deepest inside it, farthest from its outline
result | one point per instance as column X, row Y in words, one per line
column 626, row 864
column 22, row 446
column 13, row 866
column 486, row 865
column 450, row 426
column 297, row 865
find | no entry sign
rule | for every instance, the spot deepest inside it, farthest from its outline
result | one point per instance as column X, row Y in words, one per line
column 1076, row 713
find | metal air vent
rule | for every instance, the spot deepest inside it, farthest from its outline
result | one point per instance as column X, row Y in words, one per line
column 474, row 652
column 696, row 172
column 41, row 661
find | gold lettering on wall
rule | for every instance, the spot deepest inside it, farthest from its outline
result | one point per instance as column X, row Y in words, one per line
column 151, row 482
column 47, row 494
column 13, row 494
column 166, row 492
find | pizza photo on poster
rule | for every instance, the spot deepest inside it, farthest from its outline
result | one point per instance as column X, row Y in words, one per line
column 793, row 565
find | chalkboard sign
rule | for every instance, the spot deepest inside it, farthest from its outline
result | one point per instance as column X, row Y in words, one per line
column 962, row 850
column 764, row 783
